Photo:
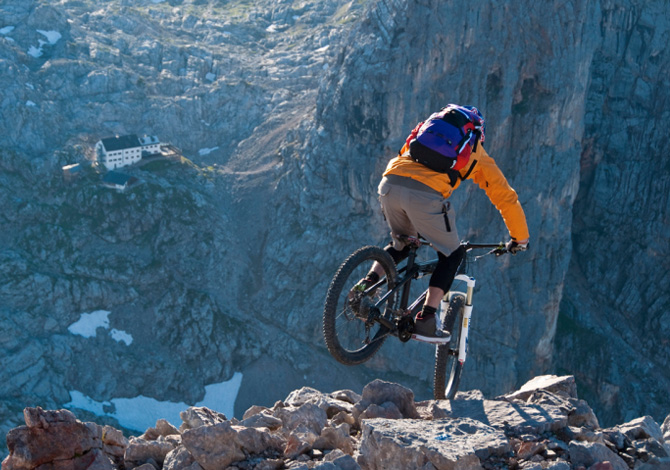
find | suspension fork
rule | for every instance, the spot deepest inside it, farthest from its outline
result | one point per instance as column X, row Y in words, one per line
column 467, row 315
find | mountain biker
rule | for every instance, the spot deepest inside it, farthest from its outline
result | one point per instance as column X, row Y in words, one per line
column 414, row 191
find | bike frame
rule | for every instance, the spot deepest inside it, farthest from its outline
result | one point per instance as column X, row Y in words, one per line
column 414, row 270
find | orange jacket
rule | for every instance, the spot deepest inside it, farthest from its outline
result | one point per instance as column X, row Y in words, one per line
column 481, row 169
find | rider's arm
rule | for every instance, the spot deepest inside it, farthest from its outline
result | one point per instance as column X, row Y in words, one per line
column 488, row 176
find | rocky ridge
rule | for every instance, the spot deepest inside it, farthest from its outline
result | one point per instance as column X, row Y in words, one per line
column 543, row 425
column 288, row 112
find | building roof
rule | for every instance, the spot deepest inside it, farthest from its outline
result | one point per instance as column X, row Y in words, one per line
column 120, row 143
column 73, row 168
column 116, row 178
column 149, row 140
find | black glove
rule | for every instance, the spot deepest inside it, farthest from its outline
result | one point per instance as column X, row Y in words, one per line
column 513, row 247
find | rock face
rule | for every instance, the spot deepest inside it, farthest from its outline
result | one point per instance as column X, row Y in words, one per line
column 539, row 427
column 288, row 112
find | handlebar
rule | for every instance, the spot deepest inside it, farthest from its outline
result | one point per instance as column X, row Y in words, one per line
column 496, row 248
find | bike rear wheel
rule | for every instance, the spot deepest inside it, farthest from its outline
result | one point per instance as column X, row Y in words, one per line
column 448, row 369
column 348, row 338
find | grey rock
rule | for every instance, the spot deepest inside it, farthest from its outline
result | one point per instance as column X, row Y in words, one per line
column 178, row 459
column 379, row 392
column 41, row 419
column 337, row 437
column 262, row 420
column 213, row 446
column 589, row 453
column 254, row 410
column 557, row 465
column 582, row 415
column 195, row 417
column 414, row 443
column 305, row 418
column 307, row 155
column 341, row 460
column 218, row 445
column 642, row 428
column 516, row 418
column 348, row 396
column 564, row 386
column 329, row 403
column 163, row 428
column 140, row 450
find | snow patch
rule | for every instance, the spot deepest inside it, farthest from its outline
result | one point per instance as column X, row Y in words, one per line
column 88, row 323
column 121, row 336
column 30, row 103
column 35, row 51
column 140, row 413
column 210, row 76
column 52, row 36
column 203, row 152
column 6, row 30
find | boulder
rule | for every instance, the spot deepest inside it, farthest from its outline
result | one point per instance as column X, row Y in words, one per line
column 218, row 445
column 50, row 436
column 379, row 392
column 179, row 459
column 642, row 428
column 163, row 428
column 196, row 416
column 140, row 451
column 331, row 404
column 564, row 386
column 305, row 418
column 588, row 454
column 446, row 443
column 336, row 438
column 516, row 418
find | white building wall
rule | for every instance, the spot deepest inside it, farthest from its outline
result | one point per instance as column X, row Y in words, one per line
column 117, row 158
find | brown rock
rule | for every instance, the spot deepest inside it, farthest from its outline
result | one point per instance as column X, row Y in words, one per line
column 48, row 440
column 140, row 450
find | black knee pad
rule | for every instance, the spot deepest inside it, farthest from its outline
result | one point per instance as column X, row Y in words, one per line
column 397, row 255
column 446, row 269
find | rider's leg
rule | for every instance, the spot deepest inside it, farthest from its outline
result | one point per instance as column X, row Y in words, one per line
column 443, row 276
column 440, row 282
column 398, row 255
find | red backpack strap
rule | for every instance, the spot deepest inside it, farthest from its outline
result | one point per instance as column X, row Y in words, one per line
column 414, row 132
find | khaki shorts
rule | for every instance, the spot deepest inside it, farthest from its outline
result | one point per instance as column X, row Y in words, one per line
column 412, row 208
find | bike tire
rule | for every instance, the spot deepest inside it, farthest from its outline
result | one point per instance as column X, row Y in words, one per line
column 448, row 369
column 344, row 332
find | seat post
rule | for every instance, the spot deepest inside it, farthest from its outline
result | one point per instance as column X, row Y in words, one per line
column 408, row 269
column 412, row 256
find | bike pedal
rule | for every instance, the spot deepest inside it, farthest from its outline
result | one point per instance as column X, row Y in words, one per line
column 405, row 328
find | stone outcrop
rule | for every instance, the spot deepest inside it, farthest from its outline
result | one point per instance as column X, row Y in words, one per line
column 542, row 426
column 287, row 112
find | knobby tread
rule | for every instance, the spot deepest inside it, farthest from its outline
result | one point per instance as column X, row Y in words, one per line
column 447, row 374
column 340, row 285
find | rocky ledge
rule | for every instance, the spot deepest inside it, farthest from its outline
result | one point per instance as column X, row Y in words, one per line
column 544, row 425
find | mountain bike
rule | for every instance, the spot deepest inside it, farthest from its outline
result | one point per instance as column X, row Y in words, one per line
column 356, row 321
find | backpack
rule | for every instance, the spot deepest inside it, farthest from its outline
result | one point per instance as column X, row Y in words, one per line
column 445, row 141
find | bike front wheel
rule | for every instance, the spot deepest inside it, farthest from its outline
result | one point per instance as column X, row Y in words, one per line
column 448, row 369
column 350, row 337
